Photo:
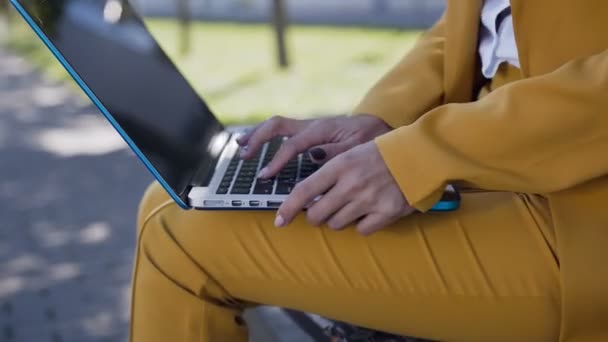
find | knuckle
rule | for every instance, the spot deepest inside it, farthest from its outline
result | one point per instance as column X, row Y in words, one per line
column 333, row 121
column 275, row 121
column 393, row 207
column 254, row 141
column 335, row 224
column 289, row 146
column 313, row 217
column 361, row 228
column 354, row 185
column 301, row 188
column 337, row 163
column 256, row 136
column 318, row 123
column 367, row 201
column 365, row 228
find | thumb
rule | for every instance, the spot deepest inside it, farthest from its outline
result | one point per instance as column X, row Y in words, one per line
column 324, row 153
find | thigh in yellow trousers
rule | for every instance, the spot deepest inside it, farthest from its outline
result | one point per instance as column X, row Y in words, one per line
column 487, row 272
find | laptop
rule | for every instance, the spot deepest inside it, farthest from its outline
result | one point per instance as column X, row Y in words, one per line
column 108, row 51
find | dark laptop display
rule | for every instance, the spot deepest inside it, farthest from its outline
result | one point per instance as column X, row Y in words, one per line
column 145, row 93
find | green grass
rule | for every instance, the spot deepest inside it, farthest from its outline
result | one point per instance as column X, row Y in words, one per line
column 233, row 65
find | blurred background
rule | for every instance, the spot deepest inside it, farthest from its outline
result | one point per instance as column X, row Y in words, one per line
column 69, row 186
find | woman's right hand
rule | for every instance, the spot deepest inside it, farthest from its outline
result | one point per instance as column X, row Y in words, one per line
column 325, row 138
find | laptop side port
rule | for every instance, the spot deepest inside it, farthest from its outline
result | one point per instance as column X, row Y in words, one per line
column 237, row 203
column 254, row 203
column 274, row 204
column 213, row 203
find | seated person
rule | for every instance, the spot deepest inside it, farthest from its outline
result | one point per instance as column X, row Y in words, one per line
column 510, row 108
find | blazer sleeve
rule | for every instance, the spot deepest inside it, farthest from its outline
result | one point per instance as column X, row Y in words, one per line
column 412, row 87
column 539, row 135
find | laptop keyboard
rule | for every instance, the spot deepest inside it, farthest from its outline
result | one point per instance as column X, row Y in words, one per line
column 241, row 176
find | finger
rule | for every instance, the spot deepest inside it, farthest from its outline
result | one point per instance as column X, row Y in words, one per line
column 244, row 139
column 304, row 193
column 349, row 214
column 372, row 223
column 323, row 153
column 274, row 127
column 291, row 147
column 335, row 199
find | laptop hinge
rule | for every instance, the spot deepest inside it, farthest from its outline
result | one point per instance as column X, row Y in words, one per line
column 205, row 172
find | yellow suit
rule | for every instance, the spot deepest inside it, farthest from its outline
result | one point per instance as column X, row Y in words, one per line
column 547, row 134
column 522, row 260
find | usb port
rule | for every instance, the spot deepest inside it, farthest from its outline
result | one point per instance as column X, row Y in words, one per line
column 213, row 203
column 274, row 204
column 237, row 203
column 254, row 203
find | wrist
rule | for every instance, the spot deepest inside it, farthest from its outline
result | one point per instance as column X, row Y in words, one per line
column 374, row 123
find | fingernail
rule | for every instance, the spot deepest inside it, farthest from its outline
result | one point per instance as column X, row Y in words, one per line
column 263, row 173
column 318, row 154
column 244, row 150
column 279, row 221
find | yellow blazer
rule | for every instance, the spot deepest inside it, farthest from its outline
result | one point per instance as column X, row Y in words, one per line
column 545, row 134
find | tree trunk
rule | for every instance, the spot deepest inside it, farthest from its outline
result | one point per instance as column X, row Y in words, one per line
column 279, row 20
column 185, row 20
column 4, row 7
column 5, row 18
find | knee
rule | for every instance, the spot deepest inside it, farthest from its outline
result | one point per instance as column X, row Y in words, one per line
column 153, row 198
column 168, row 243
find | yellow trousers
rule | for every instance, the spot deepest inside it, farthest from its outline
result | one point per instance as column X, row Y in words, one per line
column 487, row 272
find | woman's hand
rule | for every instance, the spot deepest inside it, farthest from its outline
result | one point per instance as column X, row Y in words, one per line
column 325, row 138
column 354, row 186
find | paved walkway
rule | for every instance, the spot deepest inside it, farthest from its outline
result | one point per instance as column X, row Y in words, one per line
column 382, row 13
column 67, row 214
column 69, row 190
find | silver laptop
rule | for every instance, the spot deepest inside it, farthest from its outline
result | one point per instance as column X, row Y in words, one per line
column 109, row 52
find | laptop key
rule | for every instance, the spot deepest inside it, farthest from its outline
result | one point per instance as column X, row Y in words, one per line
column 265, row 181
column 247, row 180
column 222, row 191
column 289, row 180
column 262, row 190
column 246, row 174
column 240, row 191
column 284, row 188
column 242, row 184
column 263, row 187
column 228, row 178
column 306, row 173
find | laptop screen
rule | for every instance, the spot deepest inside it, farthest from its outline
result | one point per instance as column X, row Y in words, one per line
column 118, row 59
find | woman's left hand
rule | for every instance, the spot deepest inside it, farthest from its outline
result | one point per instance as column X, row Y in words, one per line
column 354, row 186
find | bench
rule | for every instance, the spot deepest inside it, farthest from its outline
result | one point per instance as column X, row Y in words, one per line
column 277, row 324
